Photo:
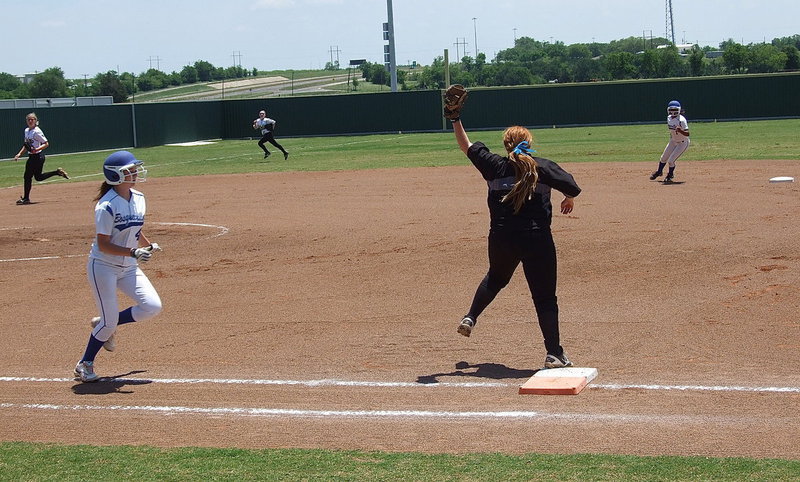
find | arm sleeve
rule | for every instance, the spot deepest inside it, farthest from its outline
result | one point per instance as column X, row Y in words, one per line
column 103, row 219
column 484, row 160
column 557, row 178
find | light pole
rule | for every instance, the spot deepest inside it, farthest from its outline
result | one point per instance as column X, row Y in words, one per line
column 475, row 31
column 392, row 59
column 515, row 35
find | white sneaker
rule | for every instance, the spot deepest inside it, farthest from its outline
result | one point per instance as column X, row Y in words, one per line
column 466, row 326
column 111, row 343
column 552, row 361
column 84, row 371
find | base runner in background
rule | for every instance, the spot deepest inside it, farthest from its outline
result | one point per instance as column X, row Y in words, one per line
column 678, row 141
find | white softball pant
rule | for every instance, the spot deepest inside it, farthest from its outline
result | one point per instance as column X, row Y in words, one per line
column 104, row 279
column 673, row 151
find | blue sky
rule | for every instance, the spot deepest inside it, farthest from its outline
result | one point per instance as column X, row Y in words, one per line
column 85, row 37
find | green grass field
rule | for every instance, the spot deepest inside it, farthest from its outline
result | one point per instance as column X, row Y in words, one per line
column 24, row 461
column 735, row 140
column 723, row 140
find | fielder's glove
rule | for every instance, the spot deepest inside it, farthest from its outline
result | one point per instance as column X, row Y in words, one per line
column 454, row 98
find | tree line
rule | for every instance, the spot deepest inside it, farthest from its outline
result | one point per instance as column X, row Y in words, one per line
column 534, row 62
column 528, row 62
column 51, row 82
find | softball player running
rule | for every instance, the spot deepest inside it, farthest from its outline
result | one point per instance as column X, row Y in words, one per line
column 678, row 141
column 35, row 144
column 119, row 246
column 520, row 214
column 267, row 128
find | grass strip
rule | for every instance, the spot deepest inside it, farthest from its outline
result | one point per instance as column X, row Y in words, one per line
column 43, row 462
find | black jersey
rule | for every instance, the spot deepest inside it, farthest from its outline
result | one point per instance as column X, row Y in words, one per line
column 499, row 173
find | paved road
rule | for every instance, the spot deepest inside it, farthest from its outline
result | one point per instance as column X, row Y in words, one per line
column 270, row 87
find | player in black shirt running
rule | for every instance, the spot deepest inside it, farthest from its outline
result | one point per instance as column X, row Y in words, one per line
column 520, row 215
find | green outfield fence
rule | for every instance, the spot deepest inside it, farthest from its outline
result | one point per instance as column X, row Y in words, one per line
column 87, row 128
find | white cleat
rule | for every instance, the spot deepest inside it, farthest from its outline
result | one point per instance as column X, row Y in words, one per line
column 84, row 371
column 111, row 343
column 466, row 326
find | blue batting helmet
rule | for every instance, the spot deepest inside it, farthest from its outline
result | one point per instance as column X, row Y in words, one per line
column 120, row 164
column 674, row 107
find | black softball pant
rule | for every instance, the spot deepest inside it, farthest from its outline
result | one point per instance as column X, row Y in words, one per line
column 33, row 170
column 269, row 137
column 536, row 251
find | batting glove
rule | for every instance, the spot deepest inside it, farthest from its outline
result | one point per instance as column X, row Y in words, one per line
column 142, row 255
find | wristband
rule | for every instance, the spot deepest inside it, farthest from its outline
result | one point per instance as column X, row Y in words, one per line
column 133, row 252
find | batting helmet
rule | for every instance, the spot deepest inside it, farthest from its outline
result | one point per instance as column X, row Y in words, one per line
column 120, row 164
column 674, row 107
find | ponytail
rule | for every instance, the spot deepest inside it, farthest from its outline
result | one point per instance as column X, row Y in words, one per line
column 517, row 142
column 104, row 188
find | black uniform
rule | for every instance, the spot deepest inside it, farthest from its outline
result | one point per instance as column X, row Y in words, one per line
column 267, row 129
column 524, row 237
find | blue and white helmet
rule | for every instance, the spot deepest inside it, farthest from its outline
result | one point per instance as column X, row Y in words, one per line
column 120, row 164
column 674, row 108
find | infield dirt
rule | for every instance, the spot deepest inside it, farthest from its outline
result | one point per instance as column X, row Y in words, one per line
column 363, row 276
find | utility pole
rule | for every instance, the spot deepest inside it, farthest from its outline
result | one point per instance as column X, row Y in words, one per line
column 460, row 41
column 236, row 54
column 157, row 60
column 515, row 36
column 332, row 50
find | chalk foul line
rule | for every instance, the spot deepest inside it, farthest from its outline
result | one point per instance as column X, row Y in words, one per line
column 700, row 420
column 383, row 384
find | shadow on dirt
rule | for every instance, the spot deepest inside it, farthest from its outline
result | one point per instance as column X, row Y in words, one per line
column 106, row 385
column 496, row 371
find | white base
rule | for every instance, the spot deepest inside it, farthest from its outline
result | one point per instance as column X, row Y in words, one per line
column 571, row 372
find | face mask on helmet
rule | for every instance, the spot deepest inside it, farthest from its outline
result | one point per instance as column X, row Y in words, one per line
column 674, row 108
column 121, row 167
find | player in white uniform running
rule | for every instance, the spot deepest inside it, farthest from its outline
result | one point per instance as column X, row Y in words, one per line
column 119, row 246
column 678, row 141
column 35, row 144
column 267, row 128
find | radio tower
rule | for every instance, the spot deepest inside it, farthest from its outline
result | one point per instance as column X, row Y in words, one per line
column 670, row 23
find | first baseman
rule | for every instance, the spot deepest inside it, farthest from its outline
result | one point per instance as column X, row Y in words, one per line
column 678, row 141
column 120, row 245
column 520, row 213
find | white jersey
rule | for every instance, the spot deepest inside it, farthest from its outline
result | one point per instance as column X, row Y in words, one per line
column 34, row 137
column 266, row 124
column 673, row 123
column 123, row 221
